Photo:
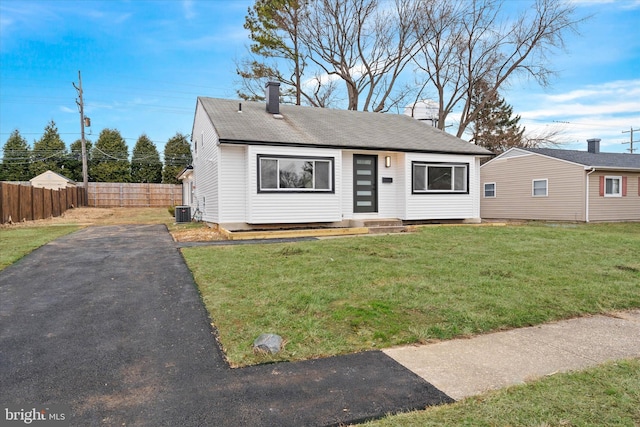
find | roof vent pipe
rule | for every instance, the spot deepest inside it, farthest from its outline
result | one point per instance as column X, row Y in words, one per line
column 273, row 97
column 593, row 145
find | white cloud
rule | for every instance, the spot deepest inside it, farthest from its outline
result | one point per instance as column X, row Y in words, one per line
column 592, row 111
column 187, row 6
column 624, row 4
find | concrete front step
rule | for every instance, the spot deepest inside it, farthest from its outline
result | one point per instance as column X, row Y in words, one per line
column 388, row 229
column 384, row 222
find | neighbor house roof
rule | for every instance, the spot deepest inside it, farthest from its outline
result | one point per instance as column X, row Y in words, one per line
column 592, row 160
column 184, row 172
column 323, row 127
column 50, row 172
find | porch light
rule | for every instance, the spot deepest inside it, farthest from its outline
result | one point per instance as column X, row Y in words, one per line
column 387, row 161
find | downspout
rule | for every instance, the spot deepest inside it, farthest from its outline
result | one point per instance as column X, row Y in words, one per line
column 586, row 210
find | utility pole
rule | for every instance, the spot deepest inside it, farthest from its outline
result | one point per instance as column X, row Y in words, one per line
column 631, row 141
column 85, row 173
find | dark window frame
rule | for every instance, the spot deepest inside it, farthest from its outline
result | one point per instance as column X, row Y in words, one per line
column 438, row 164
column 332, row 178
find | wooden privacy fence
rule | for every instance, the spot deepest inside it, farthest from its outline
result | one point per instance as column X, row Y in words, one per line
column 114, row 194
column 20, row 202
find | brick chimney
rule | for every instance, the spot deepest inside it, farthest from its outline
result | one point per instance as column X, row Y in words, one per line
column 593, row 145
column 273, row 97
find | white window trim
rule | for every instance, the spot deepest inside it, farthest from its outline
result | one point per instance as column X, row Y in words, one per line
column 619, row 193
column 484, row 192
column 546, row 187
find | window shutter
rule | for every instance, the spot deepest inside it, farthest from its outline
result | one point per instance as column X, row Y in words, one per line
column 624, row 186
column 602, row 185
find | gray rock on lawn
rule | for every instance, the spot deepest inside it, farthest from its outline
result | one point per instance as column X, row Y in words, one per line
column 267, row 343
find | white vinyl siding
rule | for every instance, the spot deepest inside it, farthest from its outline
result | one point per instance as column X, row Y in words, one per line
column 289, row 206
column 449, row 205
column 205, row 168
column 233, row 183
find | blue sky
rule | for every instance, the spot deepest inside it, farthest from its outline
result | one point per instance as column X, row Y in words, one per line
column 143, row 64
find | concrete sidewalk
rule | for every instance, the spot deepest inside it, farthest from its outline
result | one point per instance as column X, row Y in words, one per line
column 467, row 367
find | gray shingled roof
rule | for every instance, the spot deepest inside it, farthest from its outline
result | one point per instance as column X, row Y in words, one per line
column 602, row 160
column 321, row 127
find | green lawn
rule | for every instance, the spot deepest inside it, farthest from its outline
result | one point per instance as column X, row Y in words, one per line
column 345, row 295
column 17, row 242
column 608, row 395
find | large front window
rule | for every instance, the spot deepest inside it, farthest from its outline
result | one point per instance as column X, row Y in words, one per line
column 283, row 173
column 440, row 178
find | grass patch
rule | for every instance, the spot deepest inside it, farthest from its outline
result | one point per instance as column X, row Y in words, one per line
column 608, row 395
column 17, row 242
column 340, row 296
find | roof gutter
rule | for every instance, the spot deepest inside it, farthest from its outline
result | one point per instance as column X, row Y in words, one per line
column 348, row 147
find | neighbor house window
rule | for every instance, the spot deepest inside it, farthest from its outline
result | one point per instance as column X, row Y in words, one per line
column 613, row 186
column 540, row 188
column 440, row 177
column 489, row 189
column 285, row 173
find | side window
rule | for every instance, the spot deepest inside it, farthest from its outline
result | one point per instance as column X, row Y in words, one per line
column 489, row 189
column 613, row 186
column 540, row 188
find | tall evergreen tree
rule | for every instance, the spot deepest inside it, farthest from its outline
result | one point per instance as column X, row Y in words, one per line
column 177, row 156
column 15, row 159
column 495, row 128
column 73, row 165
column 145, row 162
column 273, row 29
column 49, row 152
column 110, row 158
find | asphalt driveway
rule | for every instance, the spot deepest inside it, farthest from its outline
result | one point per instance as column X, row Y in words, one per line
column 108, row 321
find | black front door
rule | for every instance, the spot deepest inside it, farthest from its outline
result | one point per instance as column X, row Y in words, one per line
column 365, row 177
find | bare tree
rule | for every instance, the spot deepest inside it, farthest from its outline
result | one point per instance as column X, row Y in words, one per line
column 470, row 41
column 549, row 136
column 362, row 43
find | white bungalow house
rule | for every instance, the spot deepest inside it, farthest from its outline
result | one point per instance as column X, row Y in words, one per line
column 257, row 164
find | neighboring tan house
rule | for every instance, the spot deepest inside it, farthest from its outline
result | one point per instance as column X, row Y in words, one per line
column 51, row 181
column 259, row 164
column 561, row 185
